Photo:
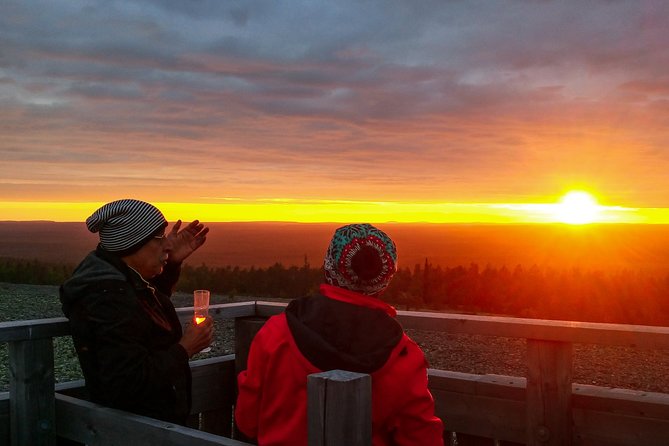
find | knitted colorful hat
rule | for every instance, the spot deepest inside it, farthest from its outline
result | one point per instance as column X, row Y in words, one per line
column 126, row 225
column 360, row 258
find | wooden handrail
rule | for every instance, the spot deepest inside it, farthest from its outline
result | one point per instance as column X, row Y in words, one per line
column 88, row 422
column 547, row 391
column 221, row 311
column 34, row 329
column 637, row 336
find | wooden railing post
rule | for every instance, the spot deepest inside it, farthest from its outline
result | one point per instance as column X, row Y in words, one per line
column 245, row 330
column 549, row 379
column 339, row 407
column 31, row 390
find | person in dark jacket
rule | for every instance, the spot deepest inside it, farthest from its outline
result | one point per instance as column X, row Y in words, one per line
column 345, row 327
column 130, row 344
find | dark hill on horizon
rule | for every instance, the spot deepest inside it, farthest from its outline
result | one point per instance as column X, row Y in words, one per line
column 261, row 244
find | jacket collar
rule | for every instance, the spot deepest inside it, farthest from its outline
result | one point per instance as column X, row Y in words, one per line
column 131, row 275
column 354, row 298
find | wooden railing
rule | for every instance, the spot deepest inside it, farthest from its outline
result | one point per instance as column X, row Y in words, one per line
column 545, row 408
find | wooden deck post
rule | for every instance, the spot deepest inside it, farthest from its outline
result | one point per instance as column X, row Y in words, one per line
column 245, row 330
column 339, row 406
column 549, row 414
column 31, row 389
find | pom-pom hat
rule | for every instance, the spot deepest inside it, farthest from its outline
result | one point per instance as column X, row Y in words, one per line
column 360, row 258
column 126, row 225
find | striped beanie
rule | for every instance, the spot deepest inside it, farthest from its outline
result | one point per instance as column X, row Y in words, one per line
column 360, row 258
column 126, row 225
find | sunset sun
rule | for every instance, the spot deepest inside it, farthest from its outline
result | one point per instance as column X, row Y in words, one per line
column 577, row 207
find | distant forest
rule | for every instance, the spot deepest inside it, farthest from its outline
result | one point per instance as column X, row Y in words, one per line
column 623, row 296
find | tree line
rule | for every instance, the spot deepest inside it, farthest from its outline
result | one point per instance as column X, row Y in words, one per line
column 620, row 296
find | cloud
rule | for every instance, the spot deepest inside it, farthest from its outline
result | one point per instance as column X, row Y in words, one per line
column 336, row 100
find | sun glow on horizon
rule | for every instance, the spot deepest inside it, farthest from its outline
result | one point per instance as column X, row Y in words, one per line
column 574, row 208
column 577, row 208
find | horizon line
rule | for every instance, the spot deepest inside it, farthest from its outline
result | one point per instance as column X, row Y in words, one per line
column 425, row 223
column 329, row 211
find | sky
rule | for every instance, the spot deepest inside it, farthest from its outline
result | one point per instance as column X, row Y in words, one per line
column 378, row 110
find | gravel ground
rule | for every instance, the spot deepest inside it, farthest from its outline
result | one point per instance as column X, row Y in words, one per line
column 620, row 367
column 606, row 366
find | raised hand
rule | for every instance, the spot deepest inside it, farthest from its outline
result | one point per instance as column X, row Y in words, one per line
column 185, row 241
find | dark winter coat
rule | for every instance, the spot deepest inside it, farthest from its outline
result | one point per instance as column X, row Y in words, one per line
column 126, row 333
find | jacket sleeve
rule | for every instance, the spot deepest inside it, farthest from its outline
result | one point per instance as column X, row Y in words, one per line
column 416, row 423
column 250, row 384
column 131, row 374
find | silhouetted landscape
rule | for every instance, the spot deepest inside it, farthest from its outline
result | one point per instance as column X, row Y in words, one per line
column 617, row 273
column 590, row 247
column 613, row 273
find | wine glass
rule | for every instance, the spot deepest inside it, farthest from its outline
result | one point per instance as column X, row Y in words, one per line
column 201, row 309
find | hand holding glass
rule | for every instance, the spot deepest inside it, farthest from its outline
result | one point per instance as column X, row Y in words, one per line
column 201, row 308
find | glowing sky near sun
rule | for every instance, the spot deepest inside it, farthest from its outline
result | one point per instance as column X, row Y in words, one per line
column 384, row 110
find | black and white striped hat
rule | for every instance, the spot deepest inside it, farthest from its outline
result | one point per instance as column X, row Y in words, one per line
column 126, row 224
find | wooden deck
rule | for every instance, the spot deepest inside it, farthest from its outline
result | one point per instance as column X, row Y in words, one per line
column 545, row 408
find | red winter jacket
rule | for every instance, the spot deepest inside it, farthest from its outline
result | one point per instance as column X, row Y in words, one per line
column 338, row 330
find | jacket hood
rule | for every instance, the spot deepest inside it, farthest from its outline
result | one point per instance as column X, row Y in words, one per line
column 333, row 334
column 92, row 271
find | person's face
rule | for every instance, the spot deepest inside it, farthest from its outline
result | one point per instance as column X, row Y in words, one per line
column 151, row 258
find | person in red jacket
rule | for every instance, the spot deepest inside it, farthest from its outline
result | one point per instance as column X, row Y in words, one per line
column 345, row 327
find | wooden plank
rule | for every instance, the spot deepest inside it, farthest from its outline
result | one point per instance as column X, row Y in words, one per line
column 218, row 422
column 639, row 336
column 213, row 378
column 495, row 386
column 491, row 406
column 621, row 401
column 268, row 309
column 59, row 326
column 607, row 428
column 614, row 417
column 549, row 367
column 492, row 418
column 75, row 388
column 604, row 416
column 96, row 425
column 221, row 311
column 473, row 440
column 214, row 381
column 339, row 405
column 31, row 389
column 34, row 329
column 4, row 418
column 245, row 330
